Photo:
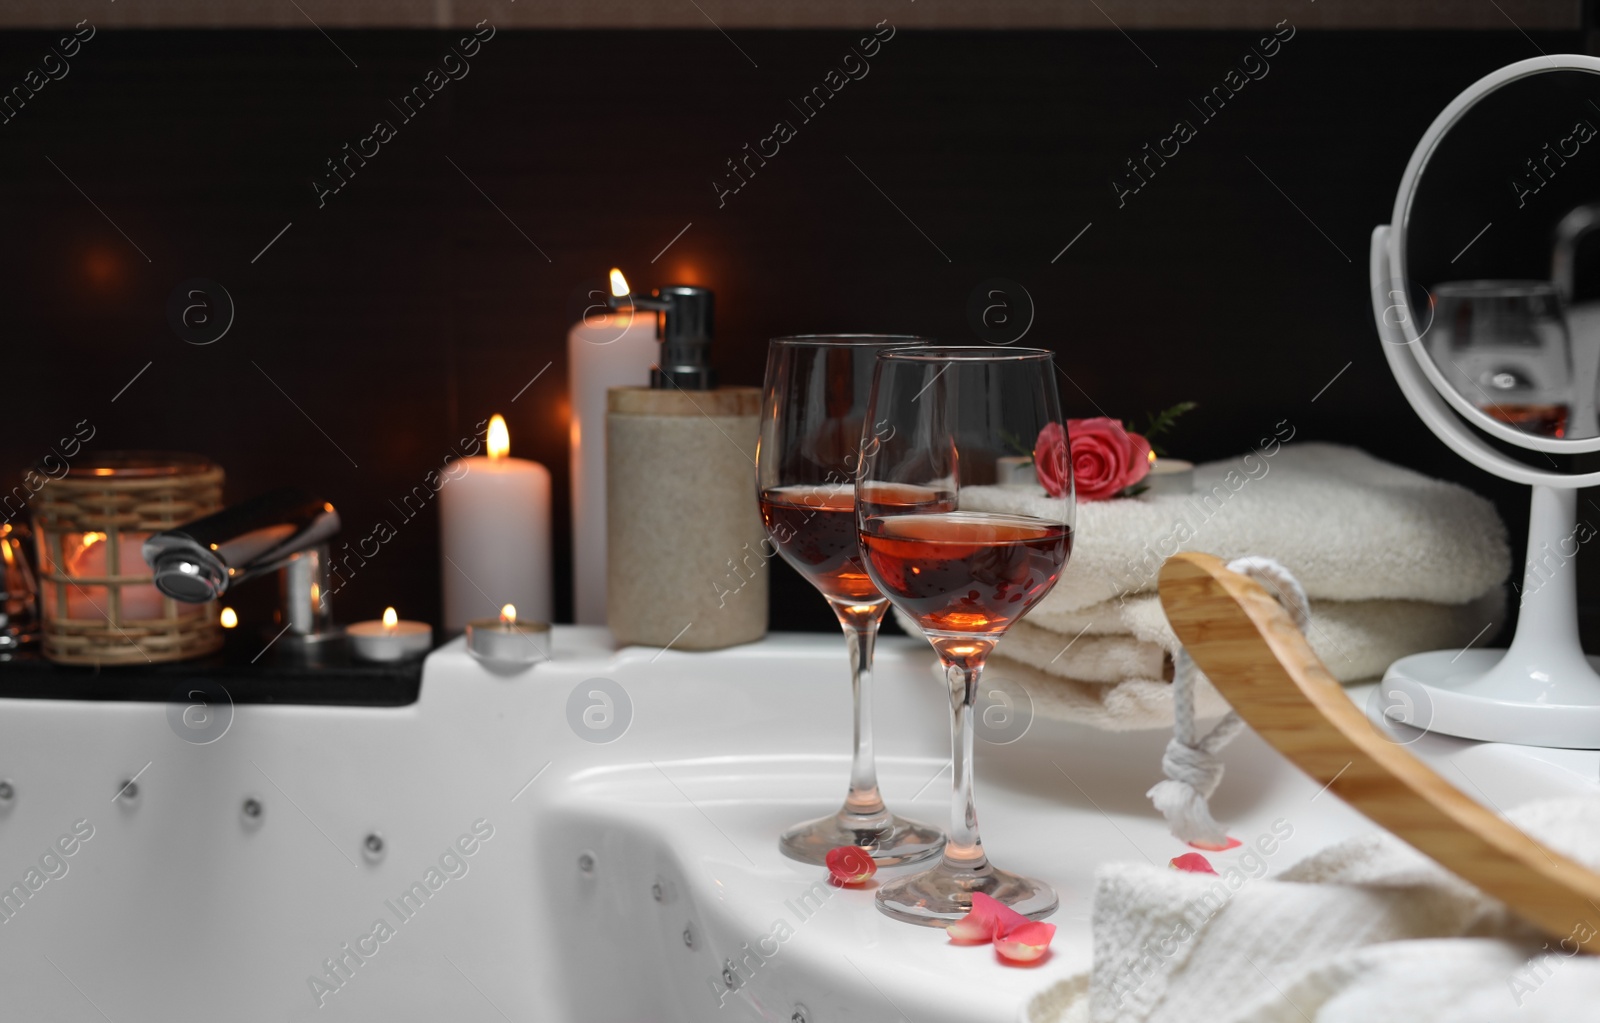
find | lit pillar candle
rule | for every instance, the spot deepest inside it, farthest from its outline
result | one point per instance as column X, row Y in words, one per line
column 494, row 521
column 603, row 351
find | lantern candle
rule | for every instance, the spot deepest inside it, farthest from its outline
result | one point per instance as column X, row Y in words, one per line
column 87, row 558
column 390, row 639
column 494, row 520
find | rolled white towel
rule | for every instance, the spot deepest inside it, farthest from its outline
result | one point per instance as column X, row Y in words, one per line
column 1366, row 931
column 1347, row 525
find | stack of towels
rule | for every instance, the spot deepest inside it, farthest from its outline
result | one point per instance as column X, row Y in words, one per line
column 1395, row 563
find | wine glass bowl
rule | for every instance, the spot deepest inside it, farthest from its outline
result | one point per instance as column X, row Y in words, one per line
column 813, row 419
column 1504, row 346
column 966, row 563
column 961, row 574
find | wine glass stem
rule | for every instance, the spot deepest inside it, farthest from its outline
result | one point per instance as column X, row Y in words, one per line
column 964, row 848
column 861, row 634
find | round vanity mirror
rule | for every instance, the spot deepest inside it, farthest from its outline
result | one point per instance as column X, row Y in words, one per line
column 1486, row 289
column 1496, row 249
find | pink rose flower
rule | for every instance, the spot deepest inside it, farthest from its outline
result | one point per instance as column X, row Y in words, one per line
column 1105, row 458
column 1051, row 462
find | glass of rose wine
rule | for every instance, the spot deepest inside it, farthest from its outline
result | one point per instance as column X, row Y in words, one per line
column 813, row 419
column 968, row 564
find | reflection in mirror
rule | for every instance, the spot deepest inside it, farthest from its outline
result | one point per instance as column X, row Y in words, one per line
column 1503, row 345
column 1500, row 241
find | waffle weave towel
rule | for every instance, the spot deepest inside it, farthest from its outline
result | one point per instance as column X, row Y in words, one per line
column 1365, row 931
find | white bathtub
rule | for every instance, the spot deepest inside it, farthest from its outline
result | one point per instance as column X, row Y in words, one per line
column 594, row 880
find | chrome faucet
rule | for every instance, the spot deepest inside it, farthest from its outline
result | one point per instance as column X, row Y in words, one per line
column 285, row 529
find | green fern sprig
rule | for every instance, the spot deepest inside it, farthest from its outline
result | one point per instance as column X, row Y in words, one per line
column 1162, row 422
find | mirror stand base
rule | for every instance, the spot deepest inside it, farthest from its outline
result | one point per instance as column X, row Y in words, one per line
column 1492, row 696
column 1543, row 691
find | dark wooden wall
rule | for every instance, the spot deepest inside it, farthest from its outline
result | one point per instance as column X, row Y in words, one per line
column 374, row 332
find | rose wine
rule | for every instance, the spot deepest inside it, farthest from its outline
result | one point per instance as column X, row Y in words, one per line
column 965, row 572
column 814, row 528
column 1543, row 420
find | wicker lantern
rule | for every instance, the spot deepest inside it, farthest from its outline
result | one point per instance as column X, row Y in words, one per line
column 97, row 602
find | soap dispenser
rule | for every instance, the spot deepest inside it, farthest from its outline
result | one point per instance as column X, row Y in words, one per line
column 686, row 554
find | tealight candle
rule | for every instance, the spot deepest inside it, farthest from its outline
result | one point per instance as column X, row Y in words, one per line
column 1015, row 471
column 1170, row 476
column 390, row 639
column 508, row 641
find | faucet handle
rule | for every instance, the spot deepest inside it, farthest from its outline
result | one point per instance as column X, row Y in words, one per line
column 198, row 561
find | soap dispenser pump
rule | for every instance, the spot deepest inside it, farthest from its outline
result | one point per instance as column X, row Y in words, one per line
column 683, row 328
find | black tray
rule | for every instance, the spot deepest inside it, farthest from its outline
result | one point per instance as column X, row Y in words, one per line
column 280, row 675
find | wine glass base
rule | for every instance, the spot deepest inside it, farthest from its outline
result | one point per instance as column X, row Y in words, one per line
column 896, row 842
column 941, row 895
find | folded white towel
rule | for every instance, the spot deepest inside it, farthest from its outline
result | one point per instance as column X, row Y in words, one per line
column 1108, row 666
column 1128, row 706
column 1348, row 526
column 1356, row 639
column 1086, row 656
column 1344, row 936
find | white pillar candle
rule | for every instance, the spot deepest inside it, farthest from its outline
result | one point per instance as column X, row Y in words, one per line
column 603, row 351
column 494, row 524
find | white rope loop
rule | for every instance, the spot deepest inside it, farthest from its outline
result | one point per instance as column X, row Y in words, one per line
column 1192, row 763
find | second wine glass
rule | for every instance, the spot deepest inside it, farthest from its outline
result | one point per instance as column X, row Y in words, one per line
column 813, row 419
column 966, row 570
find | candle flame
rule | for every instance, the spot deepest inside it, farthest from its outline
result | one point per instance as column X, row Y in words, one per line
column 5, row 551
column 1152, row 458
column 499, row 438
column 390, row 619
column 619, row 283
column 508, row 614
column 229, row 618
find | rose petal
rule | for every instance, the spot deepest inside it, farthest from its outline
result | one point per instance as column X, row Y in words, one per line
column 850, row 865
column 1194, row 863
column 1026, row 942
column 976, row 928
column 1229, row 842
column 988, row 920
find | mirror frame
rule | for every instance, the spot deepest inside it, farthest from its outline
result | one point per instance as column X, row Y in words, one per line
column 1444, row 409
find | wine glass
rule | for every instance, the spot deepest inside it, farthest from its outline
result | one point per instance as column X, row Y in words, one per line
column 813, row 417
column 942, row 420
column 1504, row 347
